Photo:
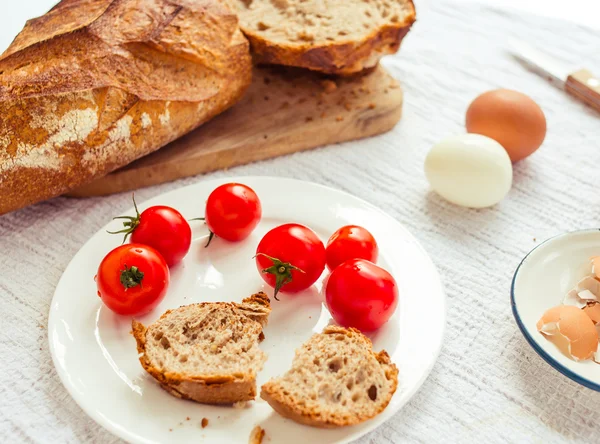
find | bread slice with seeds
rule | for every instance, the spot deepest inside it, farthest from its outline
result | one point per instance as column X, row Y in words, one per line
column 332, row 36
column 336, row 380
column 206, row 352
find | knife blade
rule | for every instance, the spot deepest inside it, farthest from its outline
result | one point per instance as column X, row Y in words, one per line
column 581, row 84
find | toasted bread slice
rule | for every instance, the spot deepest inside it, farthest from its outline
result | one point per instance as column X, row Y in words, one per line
column 206, row 352
column 336, row 380
column 335, row 37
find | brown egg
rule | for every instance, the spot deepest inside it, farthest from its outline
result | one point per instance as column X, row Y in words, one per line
column 509, row 117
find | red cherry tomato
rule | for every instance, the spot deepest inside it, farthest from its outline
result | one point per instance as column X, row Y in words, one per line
column 233, row 211
column 290, row 258
column 163, row 228
column 351, row 242
column 132, row 279
column 361, row 294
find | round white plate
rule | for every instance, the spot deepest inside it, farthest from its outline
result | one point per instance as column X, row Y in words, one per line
column 96, row 357
column 541, row 282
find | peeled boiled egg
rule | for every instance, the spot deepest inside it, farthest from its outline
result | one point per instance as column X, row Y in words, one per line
column 469, row 170
column 511, row 118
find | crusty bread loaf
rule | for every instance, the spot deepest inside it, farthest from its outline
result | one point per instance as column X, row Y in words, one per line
column 206, row 352
column 336, row 380
column 336, row 37
column 94, row 84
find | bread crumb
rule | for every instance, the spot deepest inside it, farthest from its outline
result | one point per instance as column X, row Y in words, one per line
column 240, row 404
column 266, row 98
column 371, row 106
column 309, row 119
column 285, row 105
column 347, row 106
column 187, row 418
column 323, row 114
column 170, row 430
column 328, row 85
column 204, row 422
column 257, row 435
column 302, row 100
column 339, row 118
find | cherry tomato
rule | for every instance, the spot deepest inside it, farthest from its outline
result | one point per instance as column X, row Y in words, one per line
column 161, row 227
column 361, row 294
column 351, row 242
column 290, row 258
column 233, row 211
column 132, row 279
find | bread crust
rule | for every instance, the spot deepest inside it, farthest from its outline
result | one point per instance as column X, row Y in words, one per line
column 287, row 406
column 95, row 84
column 206, row 389
column 339, row 58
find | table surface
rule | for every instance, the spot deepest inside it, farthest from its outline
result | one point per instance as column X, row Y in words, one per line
column 488, row 384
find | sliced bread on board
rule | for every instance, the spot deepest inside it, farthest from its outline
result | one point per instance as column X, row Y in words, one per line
column 206, row 352
column 332, row 36
column 336, row 380
column 94, row 84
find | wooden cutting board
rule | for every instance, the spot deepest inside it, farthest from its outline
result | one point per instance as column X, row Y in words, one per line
column 283, row 111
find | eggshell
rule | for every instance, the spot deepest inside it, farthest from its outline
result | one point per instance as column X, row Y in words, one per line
column 469, row 170
column 509, row 117
column 574, row 326
column 596, row 266
column 593, row 311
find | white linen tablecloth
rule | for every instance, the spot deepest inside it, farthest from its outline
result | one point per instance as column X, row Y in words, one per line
column 488, row 384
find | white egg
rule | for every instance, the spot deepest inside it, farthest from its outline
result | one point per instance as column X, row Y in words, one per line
column 469, row 170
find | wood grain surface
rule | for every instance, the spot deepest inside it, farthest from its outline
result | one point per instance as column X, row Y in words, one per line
column 284, row 111
column 585, row 86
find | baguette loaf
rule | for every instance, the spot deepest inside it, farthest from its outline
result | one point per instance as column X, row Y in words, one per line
column 206, row 352
column 332, row 36
column 94, row 84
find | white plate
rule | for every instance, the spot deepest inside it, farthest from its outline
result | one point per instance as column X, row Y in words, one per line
column 541, row 282
column 95, row 354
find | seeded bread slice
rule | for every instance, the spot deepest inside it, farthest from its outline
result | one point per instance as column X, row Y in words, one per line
column 332, row 36
column 206, row 352
column 336, row 380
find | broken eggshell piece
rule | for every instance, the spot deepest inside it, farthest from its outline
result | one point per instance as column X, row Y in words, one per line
column 586, row 290
column 593, row 311
column 596, row 266
column 571, row 330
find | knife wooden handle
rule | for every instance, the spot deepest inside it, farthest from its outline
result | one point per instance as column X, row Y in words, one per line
column 584, row 86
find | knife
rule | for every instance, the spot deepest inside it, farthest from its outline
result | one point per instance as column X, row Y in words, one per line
column 581, row 84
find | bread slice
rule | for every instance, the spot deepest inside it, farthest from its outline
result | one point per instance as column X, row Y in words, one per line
column 336, row 380
column 332, row 36
column 206, row 352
